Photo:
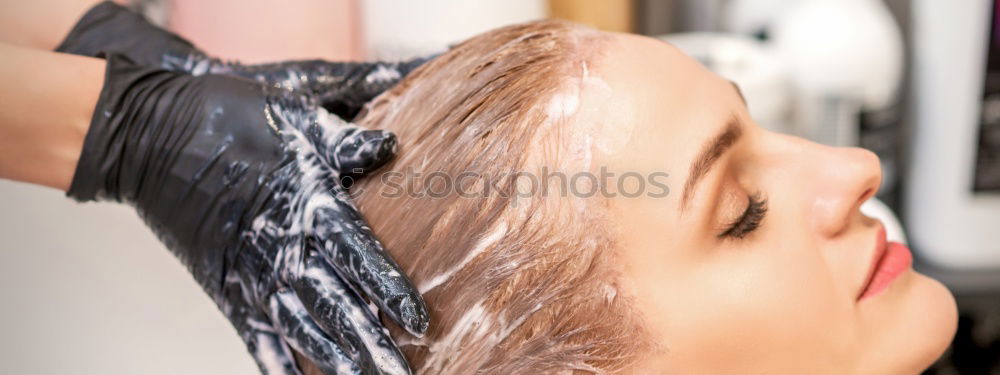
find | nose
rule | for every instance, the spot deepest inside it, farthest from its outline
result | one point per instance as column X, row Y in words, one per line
column 842, row 179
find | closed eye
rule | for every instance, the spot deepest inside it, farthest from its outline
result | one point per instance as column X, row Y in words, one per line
column 749, row 221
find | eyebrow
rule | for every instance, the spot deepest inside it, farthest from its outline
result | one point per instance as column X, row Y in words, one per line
column 710, row 153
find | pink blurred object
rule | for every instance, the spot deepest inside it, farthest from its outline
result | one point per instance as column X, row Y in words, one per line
column 254, row 31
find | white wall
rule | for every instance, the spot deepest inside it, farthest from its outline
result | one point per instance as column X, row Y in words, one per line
column 87, row 289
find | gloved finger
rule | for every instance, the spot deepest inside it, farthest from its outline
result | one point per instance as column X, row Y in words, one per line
column 359, row 83
column 272, row 355
column 301, row 332
column 361, row 151
column 348, row 244
column 342, row 146
column 346, row 318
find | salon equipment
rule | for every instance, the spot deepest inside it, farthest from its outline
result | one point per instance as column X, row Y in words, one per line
column 824, row 61
column 843, row 56
column 953, row 185
column 874, row 208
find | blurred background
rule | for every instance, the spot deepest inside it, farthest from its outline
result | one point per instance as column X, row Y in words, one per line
column 916, row 81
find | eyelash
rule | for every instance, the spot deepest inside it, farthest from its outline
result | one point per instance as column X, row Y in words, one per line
column 749, row 221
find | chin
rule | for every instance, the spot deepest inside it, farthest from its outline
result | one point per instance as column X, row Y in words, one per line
column 935, row 321
column 912, row 325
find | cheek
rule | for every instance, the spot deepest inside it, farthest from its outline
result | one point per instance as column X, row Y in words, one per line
column 757, row 305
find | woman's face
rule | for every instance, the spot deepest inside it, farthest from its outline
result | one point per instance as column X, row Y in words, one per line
column 781, row 298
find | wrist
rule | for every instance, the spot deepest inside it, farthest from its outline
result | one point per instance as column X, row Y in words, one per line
column 63, row 142
column 43, row 123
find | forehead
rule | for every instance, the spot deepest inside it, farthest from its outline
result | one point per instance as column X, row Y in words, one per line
column 656, row 108
column 666, row 90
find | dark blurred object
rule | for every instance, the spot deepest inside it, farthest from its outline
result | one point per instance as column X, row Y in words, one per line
column 987, row 175
column 654, row 17
column 658, row 17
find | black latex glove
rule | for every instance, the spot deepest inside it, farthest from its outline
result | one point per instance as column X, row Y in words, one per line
column 241, row 182
column 343, row 88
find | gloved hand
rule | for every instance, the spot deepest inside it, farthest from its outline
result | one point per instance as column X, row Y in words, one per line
column 342, row 88
column 241, row 181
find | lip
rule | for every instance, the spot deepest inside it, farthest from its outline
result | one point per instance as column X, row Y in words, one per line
column 889, row 261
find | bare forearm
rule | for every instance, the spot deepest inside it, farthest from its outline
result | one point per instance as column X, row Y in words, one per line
column 47, row 100
column 40, row 24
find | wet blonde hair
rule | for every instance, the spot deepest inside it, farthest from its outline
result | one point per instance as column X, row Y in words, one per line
column 516, row 284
